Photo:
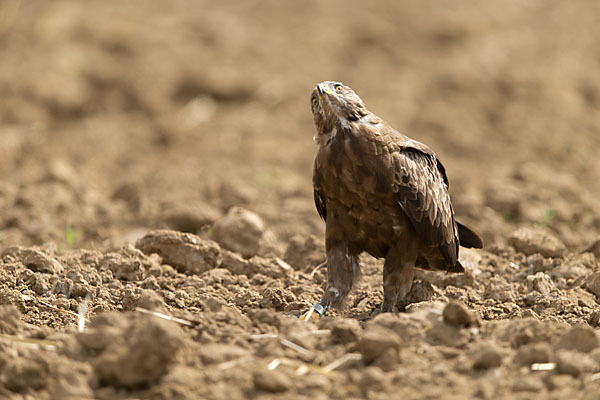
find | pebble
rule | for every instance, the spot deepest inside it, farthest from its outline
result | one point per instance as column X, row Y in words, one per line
column 528, row 384
column 486, row 356
column 141, row 353
column 557, row 382
column 579, row 338
column 9, row 319
column 540, row 282
column 217, row 353
column 240, row 231
column 35, row 260
column 375, row 340
column 187, row 252
column 271, row 381
column 446, row 335
column 457, row 314
column 533, row 353
column 345, row 330
column 151, row 300
column 592, row 284
column 530, row 241
column 573, row 363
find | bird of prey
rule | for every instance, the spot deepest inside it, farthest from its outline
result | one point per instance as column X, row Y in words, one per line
column 381, row 192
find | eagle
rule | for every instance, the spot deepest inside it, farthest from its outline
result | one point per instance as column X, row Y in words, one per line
column 379, row 192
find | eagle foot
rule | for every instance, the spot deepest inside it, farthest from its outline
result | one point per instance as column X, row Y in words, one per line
column 316, row 310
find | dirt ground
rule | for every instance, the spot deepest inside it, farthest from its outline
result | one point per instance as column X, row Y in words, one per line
column 157, row 157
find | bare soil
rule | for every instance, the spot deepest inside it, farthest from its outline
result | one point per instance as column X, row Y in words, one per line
column 157, row 157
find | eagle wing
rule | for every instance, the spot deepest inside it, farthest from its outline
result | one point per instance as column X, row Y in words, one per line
column 320, row 203
column 421, row 187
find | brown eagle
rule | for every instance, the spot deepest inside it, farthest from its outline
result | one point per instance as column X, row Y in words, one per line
column 381, row 192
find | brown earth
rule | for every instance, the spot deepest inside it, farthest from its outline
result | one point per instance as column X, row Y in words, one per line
column 125, row 124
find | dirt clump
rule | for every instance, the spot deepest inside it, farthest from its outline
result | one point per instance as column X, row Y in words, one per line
column 536, row 241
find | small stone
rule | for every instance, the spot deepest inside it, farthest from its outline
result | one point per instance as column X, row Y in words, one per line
column 266, row 316
column 61, row 171
column 276, row 298
column 419, row 292
column 71, row 381
column 592, row 284
column 140, row 354
column 376, row 340
column 531, row 241
column 131, row 194
column 541, row 283
column 191, row 218
column 528, row 384
column 594, row 248
column 123, row 267
column 463, row 280
column 486, row 356
column 345, row 331
column 9, row 319
column 151, row 300
column 595, row 355
column 23, row 374
column 150, row 283
column 35, row 260
column 533, row 353
column 272, row 267
column 573, row 363
column 373, row 379
column 271, row 381
column 217, row 353
column 388, row 360
column 240, row 231
column 579, row 338
column 457, row 314
column 595, row 319
column 188, row 253
column 411, row 327
column 446, row 335
column 539, row 263
column 558, row 382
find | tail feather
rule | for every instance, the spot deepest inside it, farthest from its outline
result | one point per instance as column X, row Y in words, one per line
column 456, row 267
column 468, row 238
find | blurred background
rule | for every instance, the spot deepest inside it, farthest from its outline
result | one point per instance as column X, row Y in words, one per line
column 116, row 117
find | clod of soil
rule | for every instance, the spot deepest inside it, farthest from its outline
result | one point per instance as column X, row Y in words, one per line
column 456, row 314
column 536, row 241
column 140, row 354
column 242, row 231
column 185, row 251
column 579, row 338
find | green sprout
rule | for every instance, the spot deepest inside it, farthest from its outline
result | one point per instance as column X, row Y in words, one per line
column 70, row 235
column 548, row 218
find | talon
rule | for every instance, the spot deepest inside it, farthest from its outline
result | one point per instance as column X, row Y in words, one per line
column 316, row 310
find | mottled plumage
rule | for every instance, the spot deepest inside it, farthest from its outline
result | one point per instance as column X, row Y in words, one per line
column 380, row 192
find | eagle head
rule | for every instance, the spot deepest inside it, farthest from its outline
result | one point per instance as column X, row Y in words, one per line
column 335, row 104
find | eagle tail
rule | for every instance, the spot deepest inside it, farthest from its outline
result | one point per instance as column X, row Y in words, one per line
column 468, row 238
column 456, row 267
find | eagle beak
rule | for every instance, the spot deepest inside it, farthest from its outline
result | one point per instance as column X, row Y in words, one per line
column 323, row 89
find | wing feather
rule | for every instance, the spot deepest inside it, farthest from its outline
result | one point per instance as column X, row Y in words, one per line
column 422, row 192
column 318, row 196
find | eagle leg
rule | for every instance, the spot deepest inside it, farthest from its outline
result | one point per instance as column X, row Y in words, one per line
column 342, row 272
column 398, row 273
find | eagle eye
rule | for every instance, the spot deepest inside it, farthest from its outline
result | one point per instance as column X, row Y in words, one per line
column 314, row 101
column 338, row 88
